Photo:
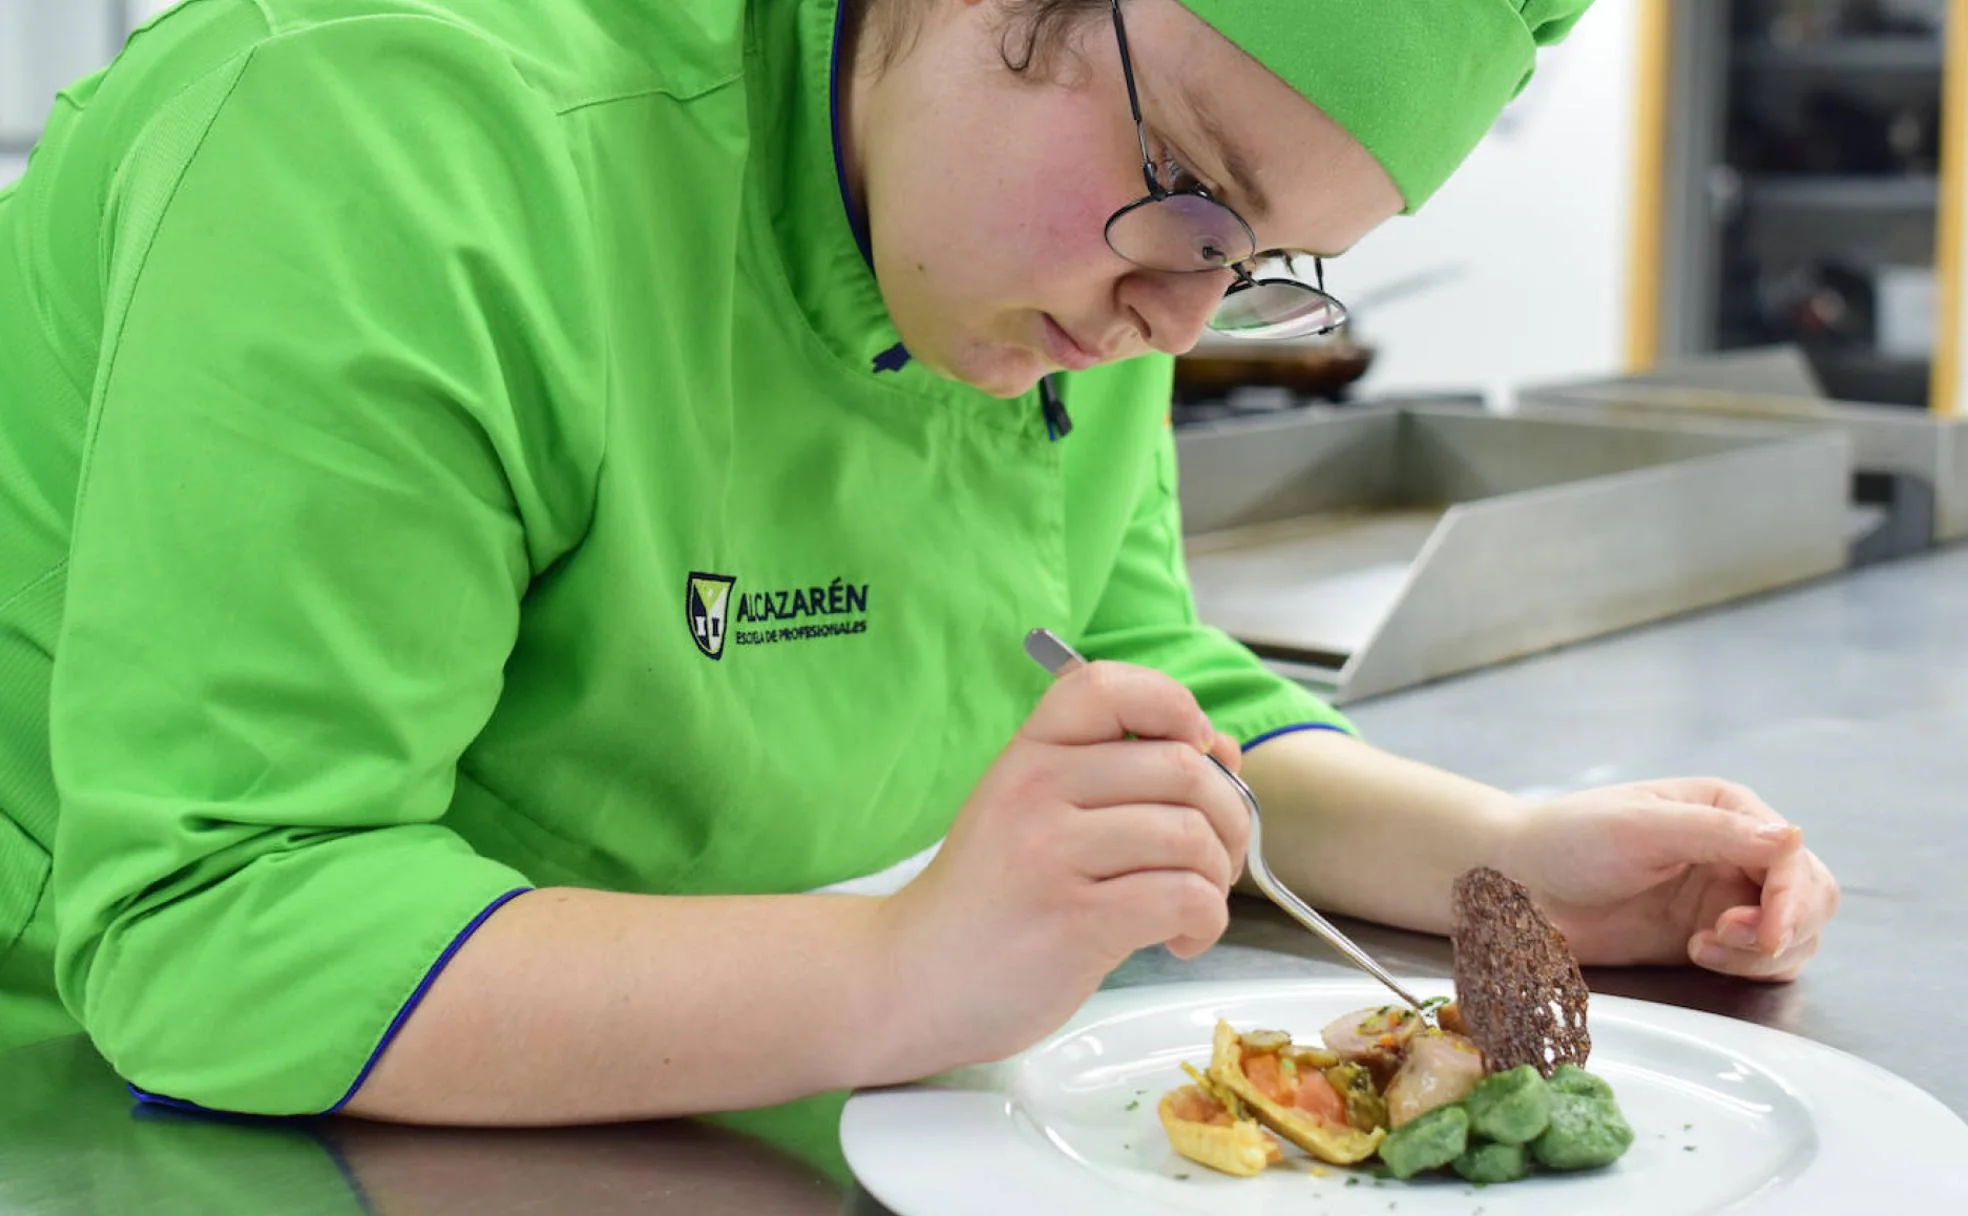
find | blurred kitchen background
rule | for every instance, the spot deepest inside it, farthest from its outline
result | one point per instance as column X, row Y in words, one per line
column 1684, row 177
column 1686, row 328
column 45, row 45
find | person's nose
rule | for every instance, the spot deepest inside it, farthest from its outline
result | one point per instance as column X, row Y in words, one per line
column 1171, row 308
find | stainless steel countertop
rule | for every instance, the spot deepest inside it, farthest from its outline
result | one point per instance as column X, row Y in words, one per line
column 1844, row 703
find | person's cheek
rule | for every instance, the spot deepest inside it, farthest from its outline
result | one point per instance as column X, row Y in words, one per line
column 1076, row 211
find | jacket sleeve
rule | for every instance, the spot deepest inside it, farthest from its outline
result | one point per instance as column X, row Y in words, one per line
column 1146, row 615
column 321, row 468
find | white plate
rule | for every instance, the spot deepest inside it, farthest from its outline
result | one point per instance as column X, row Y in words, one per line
column 1727, row 1115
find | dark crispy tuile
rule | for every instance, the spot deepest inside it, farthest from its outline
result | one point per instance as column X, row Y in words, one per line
column 1511, row 966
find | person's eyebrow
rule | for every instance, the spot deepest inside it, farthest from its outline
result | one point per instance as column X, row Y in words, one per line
column 1235, row 158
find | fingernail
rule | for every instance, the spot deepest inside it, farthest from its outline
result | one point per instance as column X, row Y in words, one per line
column 1711, row 955
column 1777, row 831
column 1742, row 937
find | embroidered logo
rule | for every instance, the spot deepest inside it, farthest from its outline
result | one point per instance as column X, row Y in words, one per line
column 705, row 598
column 768, row 618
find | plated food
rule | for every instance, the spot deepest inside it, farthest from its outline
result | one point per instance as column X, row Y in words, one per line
column 1492, row 1086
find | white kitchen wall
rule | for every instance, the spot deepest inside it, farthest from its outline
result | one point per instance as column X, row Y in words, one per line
column 1534, row 229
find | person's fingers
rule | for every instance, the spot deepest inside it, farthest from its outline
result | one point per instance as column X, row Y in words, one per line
column 1159, row 772
column 1681, row 834
column 1706, row 951
column 1229, row 751
column 1138, row 770
column 1739, row 928
column 1715, row 792
column 1786, row 888
column 1186, row 948
column 1799, row 898
column 1176, row 908
column 1113, row 841
column 1104, row 702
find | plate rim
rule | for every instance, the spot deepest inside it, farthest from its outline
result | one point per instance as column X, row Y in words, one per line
column 1843, row 1140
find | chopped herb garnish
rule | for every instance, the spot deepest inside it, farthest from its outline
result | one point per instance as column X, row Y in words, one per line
column 1353, row 1181
column 1182, row 1177
column 1687, row 1127
column 1434, row 1002
column 1133, row 1105
column 1687, row 1148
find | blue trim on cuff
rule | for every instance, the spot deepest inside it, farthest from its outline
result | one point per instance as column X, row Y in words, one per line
column 1269, row 735
column 388, row 1035
column 169, row 1103
column 402, row 1015
column 165, row 1107
column 416, row 998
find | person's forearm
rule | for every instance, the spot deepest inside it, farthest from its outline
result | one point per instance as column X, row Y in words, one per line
column 1362, row 832
column 575, row 1006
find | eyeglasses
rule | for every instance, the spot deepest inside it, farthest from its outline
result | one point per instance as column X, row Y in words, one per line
column 1185, row 231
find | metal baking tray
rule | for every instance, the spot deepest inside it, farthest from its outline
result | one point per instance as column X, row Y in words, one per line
column 1908, row 487
column 1368, row 549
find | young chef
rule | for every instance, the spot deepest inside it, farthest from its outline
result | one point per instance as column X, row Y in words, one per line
column 509, row 507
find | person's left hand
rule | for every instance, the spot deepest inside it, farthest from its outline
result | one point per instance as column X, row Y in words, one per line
column 1666, row 871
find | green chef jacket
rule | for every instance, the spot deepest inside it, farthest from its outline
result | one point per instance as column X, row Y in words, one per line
column 452, row 446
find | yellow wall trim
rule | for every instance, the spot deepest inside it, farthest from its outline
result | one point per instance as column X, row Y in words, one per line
column 1945, row 390
column 1652, row 62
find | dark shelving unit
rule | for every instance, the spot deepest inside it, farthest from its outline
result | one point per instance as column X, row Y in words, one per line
column 1803, row 186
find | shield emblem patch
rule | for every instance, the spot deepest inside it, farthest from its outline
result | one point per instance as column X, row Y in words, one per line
column 705, row 599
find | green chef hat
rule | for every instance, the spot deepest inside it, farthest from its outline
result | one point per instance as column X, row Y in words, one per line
column 1416, row 81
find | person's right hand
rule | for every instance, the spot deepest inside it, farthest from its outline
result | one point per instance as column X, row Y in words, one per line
column 1101, row 829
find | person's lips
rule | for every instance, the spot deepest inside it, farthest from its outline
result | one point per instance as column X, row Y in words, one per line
column 1062, row 348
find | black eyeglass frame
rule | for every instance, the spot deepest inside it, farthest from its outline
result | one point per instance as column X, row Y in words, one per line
column 1245, row 268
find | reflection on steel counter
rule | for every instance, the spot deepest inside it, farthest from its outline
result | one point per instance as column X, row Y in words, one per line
column 74, row 1141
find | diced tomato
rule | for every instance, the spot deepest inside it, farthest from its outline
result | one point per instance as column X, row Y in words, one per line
column 1262, row 1069
column 1192, row 1105
column 1317, row 1097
